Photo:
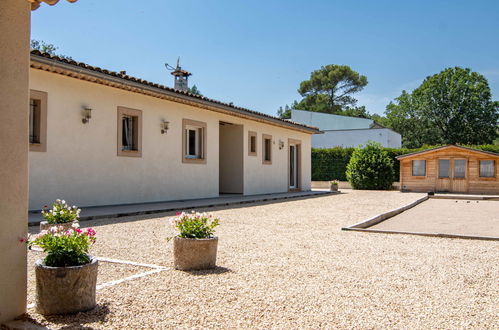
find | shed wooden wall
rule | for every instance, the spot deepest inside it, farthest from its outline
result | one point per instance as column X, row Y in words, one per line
column 473, row 183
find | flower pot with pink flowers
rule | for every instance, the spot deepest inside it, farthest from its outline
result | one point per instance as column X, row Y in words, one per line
column 61, row 214
column 195, row 246
column 66, row 279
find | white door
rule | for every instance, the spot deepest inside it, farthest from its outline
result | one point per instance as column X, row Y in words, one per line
column 293, row 167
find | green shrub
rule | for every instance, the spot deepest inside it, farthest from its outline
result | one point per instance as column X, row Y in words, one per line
column 330, row 164
column 370, row 168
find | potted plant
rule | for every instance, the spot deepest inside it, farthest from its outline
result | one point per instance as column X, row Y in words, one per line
column 334, row 185
column 66, row 278
column 194, row 247
column 61, row 214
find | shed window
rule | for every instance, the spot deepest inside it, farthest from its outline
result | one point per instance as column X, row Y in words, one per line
column 419, row 168
column 443, row 168
column 487, row 168
column 459, row 168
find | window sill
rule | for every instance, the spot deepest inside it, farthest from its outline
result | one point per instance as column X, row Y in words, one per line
column 267, row 162
column 130, row 153
column 37, row 147
column 193, row 160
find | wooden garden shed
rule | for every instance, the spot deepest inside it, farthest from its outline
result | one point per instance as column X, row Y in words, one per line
column 450, row 169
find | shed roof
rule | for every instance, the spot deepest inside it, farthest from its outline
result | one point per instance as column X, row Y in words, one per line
column 417, row 153
column 83, row 71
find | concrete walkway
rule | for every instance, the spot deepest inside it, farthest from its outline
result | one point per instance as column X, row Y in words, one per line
column 114, row 211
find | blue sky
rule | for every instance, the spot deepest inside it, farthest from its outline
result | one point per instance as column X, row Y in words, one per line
column 256, row 53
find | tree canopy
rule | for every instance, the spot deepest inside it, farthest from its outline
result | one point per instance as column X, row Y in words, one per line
column 330, row 90
column 44, row 47
column 195, row 90
column 453, row 106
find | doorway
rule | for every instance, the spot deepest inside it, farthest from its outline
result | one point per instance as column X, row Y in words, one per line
column 231, row 160
column 294, row 164
column 452, row 175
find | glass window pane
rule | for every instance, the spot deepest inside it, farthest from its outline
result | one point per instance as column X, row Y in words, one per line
column 487, row 168
column 253, row 144
column 418, row 167
column 459, row 168
column 267, row 149
column 443, row 168
column 191, row 149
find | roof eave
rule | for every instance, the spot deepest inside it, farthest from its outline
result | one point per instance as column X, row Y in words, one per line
column 171, row 95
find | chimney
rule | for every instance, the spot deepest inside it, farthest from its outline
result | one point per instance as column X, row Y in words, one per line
column 180, row 78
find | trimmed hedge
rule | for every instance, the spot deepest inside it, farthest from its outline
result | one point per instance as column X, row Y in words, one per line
column 331, row 164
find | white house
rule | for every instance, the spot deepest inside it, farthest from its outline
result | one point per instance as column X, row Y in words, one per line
column 344, row 131
column 100, row 138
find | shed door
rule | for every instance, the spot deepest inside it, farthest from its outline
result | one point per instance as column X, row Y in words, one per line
column 452, row 175
column 459, row 175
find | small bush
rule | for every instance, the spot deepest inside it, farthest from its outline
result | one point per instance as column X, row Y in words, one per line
column 370, row 168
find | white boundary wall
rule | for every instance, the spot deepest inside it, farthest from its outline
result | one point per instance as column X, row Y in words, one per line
column 355, row 137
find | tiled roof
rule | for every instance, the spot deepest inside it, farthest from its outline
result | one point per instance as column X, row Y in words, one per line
column 76, row 67
column 36, row 3
column 445, row 147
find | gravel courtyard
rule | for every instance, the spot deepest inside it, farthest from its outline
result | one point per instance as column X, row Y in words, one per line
column 448, row 216
column 289, row 265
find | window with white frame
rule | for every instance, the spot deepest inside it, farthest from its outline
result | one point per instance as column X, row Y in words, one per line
column 419, row 167
column 129, row 132
column 487, row 168
column 194, row 141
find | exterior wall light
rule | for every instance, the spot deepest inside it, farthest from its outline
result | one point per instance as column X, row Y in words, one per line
column 281, row 144
column 164, row 126
column 87, row 114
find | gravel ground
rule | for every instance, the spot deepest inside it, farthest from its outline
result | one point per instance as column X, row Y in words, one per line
column 464, row 217
column 288, row 265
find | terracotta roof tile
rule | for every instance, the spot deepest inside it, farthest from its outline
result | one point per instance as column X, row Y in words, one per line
column 126, row 77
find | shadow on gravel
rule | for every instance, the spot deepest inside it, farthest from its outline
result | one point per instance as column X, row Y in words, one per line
column 79, row 320
column 214, row 271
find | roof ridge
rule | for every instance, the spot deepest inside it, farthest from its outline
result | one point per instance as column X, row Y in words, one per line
column 127, row 77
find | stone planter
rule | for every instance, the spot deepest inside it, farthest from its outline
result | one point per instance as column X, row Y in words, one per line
column 334, row 187
column 44, row 225
column 65, row 290
column 194, row 254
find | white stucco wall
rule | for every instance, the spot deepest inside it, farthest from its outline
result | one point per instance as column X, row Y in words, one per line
column 326, row 121
column 81, row 163
column 353, row 138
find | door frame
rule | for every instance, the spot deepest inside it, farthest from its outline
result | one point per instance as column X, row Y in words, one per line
column 451, row 178
column 297, row 144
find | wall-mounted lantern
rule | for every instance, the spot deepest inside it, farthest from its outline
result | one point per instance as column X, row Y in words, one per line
column 164, row 126
column 87, row 114
column 281, row 144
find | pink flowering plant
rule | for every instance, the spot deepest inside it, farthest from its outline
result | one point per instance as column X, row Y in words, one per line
column 64, row 247
column 61, row 212
column 194, row 225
